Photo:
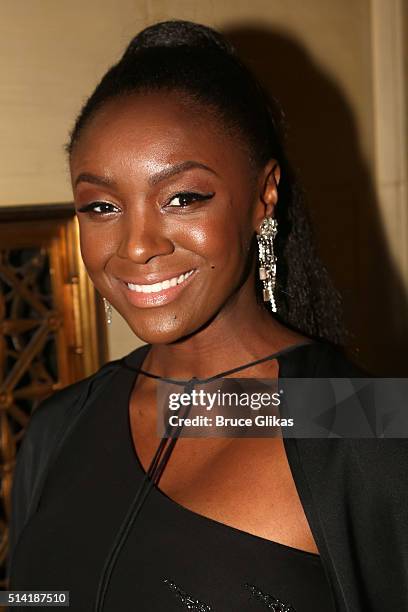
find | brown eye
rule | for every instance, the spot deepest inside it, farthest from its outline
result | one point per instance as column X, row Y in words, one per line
column 181, row 200
column 99, row 208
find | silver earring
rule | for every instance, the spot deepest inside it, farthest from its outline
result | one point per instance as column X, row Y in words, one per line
column 108, row 311
column 267, row 259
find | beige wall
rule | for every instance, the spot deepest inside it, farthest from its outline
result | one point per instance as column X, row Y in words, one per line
column 53, row 53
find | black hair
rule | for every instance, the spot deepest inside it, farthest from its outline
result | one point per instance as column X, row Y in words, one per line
column 199, row 62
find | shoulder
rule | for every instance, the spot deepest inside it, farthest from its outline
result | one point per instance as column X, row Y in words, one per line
column 60, row 409
column 56, row 415
column 318, row 359
column 47, row 428
column 62, row 405
column 51, row 422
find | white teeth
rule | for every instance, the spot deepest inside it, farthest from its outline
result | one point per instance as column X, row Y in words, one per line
column 155, row 287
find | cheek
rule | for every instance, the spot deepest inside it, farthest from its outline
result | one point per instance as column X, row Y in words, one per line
column 221, row 236
column 222, row 240
column 96, row 247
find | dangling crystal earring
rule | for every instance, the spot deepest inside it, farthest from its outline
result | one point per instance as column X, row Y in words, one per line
column 267, row 259
column 108, row 311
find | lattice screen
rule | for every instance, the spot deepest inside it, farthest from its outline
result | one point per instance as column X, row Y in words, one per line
column 52, row 329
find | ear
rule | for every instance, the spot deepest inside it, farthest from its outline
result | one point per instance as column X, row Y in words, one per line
column 267, row 196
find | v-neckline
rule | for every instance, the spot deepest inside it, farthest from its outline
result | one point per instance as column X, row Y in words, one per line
column 141, row 353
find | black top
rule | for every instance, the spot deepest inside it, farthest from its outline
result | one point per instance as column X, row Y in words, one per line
column 172, row 559
column 354, row 491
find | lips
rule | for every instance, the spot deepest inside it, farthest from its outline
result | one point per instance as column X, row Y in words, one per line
column 160, row 286
column 146, row 295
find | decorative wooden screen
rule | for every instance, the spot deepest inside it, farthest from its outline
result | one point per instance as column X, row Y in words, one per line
column 52, row 328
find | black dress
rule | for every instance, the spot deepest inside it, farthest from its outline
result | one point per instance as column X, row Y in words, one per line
column 172, row 559
column 77, row 473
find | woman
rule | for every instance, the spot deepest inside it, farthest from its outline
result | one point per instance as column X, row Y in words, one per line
column 184, row 196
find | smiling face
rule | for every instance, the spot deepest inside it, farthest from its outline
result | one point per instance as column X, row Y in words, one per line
column 168, row 204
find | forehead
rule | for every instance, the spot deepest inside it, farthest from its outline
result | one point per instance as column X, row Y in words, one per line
column 157, row 128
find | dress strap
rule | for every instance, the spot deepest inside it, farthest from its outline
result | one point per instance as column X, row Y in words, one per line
column 150, row 478
column 183, row 383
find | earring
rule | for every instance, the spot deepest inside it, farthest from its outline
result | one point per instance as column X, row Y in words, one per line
column 267, row 259
column 108, row 311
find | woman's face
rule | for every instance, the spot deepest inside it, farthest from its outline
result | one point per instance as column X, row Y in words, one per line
column 166, row 203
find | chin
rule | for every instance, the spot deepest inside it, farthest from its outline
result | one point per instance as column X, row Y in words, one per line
column 168, row 325
column 163, row 330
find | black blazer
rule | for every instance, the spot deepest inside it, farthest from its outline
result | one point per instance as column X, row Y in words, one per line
column 354, row 491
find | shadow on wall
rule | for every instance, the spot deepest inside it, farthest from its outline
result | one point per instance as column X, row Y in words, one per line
column 324, row 147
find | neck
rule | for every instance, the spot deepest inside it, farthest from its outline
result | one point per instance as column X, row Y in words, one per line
column 237, row 335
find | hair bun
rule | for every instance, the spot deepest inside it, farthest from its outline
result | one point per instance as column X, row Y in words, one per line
column 178, row 33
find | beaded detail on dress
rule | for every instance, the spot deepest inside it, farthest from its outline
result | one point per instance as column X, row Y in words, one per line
column 187, row 600
column 271, row 602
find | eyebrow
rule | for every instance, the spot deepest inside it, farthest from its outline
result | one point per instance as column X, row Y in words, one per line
column 85, row 177
column 153, row 180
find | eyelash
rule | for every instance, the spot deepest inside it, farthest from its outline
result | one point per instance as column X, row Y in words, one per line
column 191, row 197
column 184, row 195
column 98, row 204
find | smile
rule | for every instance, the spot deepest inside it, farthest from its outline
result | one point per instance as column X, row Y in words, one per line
column 156, row 287
column 159, row 293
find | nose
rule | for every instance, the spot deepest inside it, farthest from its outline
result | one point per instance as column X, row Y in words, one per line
column 143, row 237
